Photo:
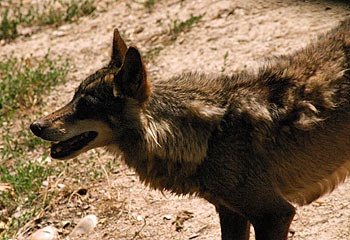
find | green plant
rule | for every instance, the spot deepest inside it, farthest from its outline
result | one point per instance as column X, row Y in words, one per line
column 178, row 26
column 8, row 27
column 48, row 12
column 69, row 11
column 174, row 28
column 23, row 84
column 151, row 53
column 24, row 81
column 225, row 62
column 149, row 4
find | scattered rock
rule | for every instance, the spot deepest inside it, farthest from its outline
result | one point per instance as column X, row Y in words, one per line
column 59, row 33
column 66, row 27
column 85, row 225
column 2, row 226
column 27, row 31
column 45, row 183
column 139, row 30
column 46, row 233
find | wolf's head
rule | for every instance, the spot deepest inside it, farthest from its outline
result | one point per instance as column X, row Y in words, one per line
column 99, row 110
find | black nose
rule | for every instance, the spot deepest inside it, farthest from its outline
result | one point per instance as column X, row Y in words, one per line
column 37, row 127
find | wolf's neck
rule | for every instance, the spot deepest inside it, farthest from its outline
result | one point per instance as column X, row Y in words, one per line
column 169, row 140
column 178, row 128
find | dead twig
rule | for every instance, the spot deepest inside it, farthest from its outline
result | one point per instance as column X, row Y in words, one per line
column 137, row 233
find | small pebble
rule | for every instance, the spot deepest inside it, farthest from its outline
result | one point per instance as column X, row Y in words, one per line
column 2, row 226
column 46, row 233
column 85, row 225
column 61, row 185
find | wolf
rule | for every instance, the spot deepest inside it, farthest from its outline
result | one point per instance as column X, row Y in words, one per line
column 252, row 143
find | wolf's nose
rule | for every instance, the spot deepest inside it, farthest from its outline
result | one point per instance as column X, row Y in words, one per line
column 37, row 127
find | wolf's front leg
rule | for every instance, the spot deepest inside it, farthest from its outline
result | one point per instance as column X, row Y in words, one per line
column 271, row 220
column 233, row 225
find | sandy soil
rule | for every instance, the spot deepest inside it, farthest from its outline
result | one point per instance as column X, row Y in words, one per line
column 232, row 35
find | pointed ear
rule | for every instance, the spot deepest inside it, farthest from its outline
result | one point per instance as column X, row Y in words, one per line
column 119, row 50
column 131, row 80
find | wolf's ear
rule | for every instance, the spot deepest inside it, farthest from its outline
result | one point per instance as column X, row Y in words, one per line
column 119, row 50
column 131, row 80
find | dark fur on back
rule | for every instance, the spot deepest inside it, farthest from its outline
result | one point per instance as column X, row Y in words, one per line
column 249, row 143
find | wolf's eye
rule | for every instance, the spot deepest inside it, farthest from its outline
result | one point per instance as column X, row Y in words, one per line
column 87, row 106
column 87, row 101
column 82, row 108
column 82, row 102
column 92, row 99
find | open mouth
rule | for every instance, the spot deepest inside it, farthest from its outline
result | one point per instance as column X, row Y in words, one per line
column 66, row 148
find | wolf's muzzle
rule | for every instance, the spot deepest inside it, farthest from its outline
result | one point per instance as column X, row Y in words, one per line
column 37, row 127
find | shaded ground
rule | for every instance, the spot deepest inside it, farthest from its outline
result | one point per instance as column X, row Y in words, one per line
column 231, row 35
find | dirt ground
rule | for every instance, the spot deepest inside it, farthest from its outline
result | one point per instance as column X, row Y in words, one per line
column 232, row 35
